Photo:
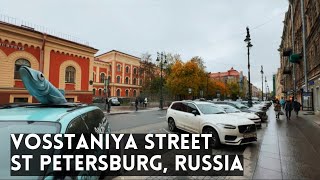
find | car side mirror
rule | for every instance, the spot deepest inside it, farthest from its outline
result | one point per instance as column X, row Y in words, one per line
column 195, row 112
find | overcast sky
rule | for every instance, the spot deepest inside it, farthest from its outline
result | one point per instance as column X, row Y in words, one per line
column 211, row 29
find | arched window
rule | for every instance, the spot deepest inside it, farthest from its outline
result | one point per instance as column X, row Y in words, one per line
column 134, row 81
column 94, row 77
column 134, row 70
column 118, row 79
column 94, row 91
column 127, row 69
column 109, row 78
column 134, row 93
column 127, row 80
column 118, row 92
column 140, row 83
column 119, row 68
column 100, row 92
column 110, row 68
column 18, row 64
column 127, row 93
column 70, row 74
column 102, row 77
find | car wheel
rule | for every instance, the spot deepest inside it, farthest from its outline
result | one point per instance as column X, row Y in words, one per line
column 172, row 125
column 215, row 141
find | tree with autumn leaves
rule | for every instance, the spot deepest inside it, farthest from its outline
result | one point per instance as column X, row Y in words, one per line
column 181, row 76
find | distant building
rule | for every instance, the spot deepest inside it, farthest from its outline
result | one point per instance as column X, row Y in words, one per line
column 234, row 76
column 123, row 72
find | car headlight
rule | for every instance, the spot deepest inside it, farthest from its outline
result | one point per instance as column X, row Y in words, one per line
column 227, row 126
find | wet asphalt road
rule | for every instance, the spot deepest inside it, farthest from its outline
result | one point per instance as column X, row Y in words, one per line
column 284, row 150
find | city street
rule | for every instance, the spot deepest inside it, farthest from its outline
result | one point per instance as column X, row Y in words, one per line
column 285, row 149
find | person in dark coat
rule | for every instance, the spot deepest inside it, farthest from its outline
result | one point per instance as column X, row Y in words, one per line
column 136, row 104
column 296, row 106
column 288, row 108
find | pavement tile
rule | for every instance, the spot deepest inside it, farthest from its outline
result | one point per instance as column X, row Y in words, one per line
column 262, row 173
column 300, row 170
column 269, row 148
column 269, row 163
column 269, row 154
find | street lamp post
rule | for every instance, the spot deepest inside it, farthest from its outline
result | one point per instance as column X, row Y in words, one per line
column 162, row 59
column 208, row 75
column 262, row 83
column 249, row 45
column 266, row 86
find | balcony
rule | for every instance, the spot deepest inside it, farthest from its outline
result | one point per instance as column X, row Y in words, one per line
column 286, row 52
column 286, row 70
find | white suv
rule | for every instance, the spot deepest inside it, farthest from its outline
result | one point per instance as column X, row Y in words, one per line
column 203, row 117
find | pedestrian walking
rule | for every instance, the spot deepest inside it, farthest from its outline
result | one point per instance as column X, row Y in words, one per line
column 277, row 109
column 282, row 102
column 288, row 108
column 145, row 102
column 296, row 107
column 136, row 104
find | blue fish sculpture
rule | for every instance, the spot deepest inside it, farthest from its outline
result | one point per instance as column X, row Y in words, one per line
column 40, row 88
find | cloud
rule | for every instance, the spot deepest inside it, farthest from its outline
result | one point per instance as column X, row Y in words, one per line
column 212, row 29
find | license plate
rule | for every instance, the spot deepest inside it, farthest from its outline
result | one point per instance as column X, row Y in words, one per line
column 249, row 135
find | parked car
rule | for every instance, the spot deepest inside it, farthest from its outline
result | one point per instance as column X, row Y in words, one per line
column 114, row 101
column 205, row 117
column 261, row 113
column 47, row 119
column 237, row 105
column 234, row 111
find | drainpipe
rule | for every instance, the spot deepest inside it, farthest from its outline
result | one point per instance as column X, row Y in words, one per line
column 44, row 37
column 292, row 35
column 304, row 45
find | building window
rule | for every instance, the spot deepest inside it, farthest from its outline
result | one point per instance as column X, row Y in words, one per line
column 119, row 68
column 110, row 68
column 70, row 74
column 127, row 93
column 71, row 100
column 94, row 77
column 109, row 78
column 140, row 83
column 18, row 64
column 118, row 79
column 127, row 80
column 134, row 81
column 134, row 93
column 94, row 91
column 127, row 69
column 20, row 100
column 102, row 77
column 118, row 92
column 134, row 70
column 100, row 92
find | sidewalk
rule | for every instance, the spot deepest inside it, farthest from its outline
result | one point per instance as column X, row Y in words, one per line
column 287, row 150
column 130, row 109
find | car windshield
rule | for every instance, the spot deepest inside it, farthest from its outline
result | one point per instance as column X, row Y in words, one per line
column 230, row 109
column 210, row 109
column 240, row 106
column 20, row 127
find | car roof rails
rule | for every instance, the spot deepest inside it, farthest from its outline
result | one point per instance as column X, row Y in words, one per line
column 64, row 105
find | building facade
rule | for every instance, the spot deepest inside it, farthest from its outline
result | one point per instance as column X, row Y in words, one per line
column 234, row 76
column 67, row 65
column 123, row 72
column 312, row 26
